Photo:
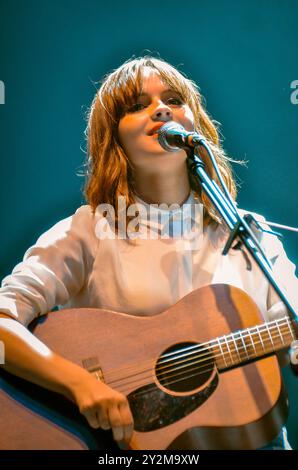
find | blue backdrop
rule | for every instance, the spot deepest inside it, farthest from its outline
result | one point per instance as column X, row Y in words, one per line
column 242, row 54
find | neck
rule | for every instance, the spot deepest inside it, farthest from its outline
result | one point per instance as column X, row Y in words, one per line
column 253, row 343
column 156, row 188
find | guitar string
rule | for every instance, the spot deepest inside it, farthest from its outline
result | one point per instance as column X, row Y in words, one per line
column 153, row 387
column 210, row 357
column 229, row 353
column 258, row 329
column 176, row 354
column 166, row 384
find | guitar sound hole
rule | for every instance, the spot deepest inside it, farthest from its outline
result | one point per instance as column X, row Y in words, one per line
column 184, row 367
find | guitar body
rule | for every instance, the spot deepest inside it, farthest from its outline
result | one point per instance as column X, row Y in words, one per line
column 240, row 408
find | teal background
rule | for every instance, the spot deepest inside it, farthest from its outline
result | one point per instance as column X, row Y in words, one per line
column 242, row 54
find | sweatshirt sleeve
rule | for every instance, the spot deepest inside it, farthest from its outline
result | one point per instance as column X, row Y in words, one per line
column 54, row 269
column 284, row 272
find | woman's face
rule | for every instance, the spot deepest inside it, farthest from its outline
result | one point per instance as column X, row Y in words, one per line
column 138, row 127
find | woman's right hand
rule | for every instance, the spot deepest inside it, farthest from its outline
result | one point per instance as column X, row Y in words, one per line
column 104, row 407
column 27, row 357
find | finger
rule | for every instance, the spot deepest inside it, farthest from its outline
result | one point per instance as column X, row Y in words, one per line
column 92, row 418
column 103, row 419
column 127, row 420
column 116, row 423
column 127, row 434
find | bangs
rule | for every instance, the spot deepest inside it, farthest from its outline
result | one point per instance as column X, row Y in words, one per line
column 122, row 88
column 120, row 91
column 177, row 82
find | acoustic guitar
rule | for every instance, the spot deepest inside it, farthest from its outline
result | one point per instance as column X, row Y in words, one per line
column 201, row 375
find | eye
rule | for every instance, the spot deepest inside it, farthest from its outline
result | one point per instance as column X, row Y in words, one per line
column 136, row 107
column 172, row 101
column 175, row 101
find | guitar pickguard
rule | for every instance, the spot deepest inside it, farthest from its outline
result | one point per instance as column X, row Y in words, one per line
column 152, row 408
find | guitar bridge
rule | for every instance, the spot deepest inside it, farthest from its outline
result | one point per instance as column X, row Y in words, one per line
column 91, row 364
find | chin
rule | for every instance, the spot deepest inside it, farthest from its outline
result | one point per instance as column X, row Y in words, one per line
column 157, row 160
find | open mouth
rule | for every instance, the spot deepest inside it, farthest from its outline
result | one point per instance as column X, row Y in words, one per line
column 155, row 130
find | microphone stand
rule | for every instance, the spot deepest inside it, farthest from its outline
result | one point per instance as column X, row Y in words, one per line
column 237, row 224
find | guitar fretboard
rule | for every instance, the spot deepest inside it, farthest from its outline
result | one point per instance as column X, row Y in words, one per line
column 252, row 343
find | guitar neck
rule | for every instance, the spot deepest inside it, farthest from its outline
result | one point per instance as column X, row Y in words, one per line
column 252, row 343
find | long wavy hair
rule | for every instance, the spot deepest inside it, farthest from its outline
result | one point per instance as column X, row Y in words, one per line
column 109, row 172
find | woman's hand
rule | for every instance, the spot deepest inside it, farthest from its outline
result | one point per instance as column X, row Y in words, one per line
column 27, row 357
column 103, row 407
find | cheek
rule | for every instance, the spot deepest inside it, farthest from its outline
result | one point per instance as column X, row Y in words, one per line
column 128, row 129
column 188, row 118
column 122, row 132
column 128, row 132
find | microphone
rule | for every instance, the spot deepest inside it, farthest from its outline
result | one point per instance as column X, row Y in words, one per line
column 173, row 136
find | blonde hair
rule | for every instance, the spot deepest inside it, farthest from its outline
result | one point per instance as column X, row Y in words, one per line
column 109, row 173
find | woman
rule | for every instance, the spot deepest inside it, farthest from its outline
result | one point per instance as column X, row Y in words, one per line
column 75, row 264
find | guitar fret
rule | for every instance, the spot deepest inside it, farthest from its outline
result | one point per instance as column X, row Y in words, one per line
column 222, row 353
column 243, row 342
column 260, row 336
column 236, row 347
column 225, row 338
column 290, row 328
column 252, row 342
column 269, row 333
column 280, row 334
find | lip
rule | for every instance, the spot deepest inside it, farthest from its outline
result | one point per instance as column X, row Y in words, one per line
column 154, row 129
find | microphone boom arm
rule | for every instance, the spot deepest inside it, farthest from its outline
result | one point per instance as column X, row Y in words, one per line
column 237, row 225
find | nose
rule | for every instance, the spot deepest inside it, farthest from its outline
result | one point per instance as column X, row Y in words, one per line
column 162, row 113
